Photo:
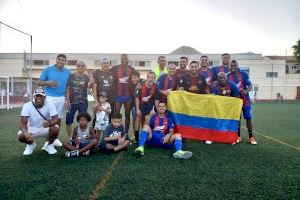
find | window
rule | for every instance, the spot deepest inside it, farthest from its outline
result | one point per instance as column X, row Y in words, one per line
column 175, row 62
column 296, row 66
column 97, row 62
column 216, row 63
column 142, row 63
column 245, row 69
column 272, row 74
column 255, row 87
column 114, row 62
column 71, row 62
column 39, row 62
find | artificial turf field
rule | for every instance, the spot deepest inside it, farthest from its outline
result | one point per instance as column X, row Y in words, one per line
column 269, row 170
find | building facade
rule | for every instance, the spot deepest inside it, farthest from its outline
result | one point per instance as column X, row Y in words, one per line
column 269, row 76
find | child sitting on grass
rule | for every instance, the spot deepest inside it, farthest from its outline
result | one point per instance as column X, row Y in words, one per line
column 114, row 137
column 84, row 138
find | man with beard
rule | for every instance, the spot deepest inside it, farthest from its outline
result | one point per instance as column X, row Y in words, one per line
column 167, row 82
column 160, row 133
column 38, row 119
column 182, row 70
column 205, row 71
column 193, row 81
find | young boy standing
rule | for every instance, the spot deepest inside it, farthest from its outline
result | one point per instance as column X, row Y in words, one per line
column 102, row 115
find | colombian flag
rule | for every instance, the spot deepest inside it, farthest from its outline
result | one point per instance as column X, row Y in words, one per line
column 205, row 117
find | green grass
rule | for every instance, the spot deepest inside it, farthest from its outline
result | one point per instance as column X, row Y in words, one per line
column 269, row 170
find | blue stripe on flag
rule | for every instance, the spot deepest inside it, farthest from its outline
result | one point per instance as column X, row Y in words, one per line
column 205, row 122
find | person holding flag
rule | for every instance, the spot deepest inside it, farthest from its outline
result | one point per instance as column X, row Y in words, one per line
column 160, row 133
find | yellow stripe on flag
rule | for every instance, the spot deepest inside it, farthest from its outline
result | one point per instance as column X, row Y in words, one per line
column 212, row 106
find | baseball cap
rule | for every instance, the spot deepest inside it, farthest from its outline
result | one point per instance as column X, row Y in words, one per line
column 39, row 91
column 104, row 59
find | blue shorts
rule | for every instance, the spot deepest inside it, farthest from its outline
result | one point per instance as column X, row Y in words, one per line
column 122, row 99
column 247, row 112
column 81, row 107
column 82, row 143
column 157, row 140
column 103, row 143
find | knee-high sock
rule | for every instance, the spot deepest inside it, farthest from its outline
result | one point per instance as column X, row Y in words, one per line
column 143, row 137
column 178, row 144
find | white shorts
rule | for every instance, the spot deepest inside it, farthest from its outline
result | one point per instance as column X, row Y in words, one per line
column 100, row 127
column 37, row 131
column 59, row 103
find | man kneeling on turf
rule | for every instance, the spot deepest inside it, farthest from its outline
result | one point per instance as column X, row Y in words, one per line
column 83, row 138
column 159, row 133
column 38, row 119
column 114, row 137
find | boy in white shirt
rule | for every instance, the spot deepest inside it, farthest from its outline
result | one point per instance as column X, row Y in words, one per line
column 102, row 115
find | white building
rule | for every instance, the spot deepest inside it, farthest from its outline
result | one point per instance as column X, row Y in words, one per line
column 268, row 75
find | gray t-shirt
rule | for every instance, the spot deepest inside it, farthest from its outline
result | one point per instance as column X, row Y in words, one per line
column 78, row 85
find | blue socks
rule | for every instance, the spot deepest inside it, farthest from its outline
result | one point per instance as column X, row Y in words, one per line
column 178, row 144
column 143, row 137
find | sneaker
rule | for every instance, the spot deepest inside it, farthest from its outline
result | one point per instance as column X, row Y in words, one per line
column 208, row 142
column 74, row 153
column 86, row 153
column 57, row 143
column 139, row 151
column 44, row 147
column 29, row 149
column 182, row 154
column 239, row 140
column 50, row 149
column 252, row 140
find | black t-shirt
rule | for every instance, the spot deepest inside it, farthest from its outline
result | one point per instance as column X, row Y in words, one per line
column 105, row 82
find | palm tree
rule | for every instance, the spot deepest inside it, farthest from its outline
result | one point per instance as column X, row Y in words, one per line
column 296, row 48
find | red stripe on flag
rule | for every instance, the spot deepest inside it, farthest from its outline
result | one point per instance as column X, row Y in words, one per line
column 206, row 134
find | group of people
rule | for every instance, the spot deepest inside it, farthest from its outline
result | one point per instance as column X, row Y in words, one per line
column 112, row 87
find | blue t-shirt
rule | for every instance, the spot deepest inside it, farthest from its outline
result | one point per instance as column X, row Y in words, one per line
column 52, row 73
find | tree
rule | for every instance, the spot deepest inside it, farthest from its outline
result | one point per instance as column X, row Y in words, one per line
column 296, row 48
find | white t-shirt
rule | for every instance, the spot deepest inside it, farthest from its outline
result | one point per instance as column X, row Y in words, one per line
column 102, row 118
column 34, row 118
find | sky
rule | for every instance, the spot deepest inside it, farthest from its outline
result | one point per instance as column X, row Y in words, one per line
column 150, row 26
